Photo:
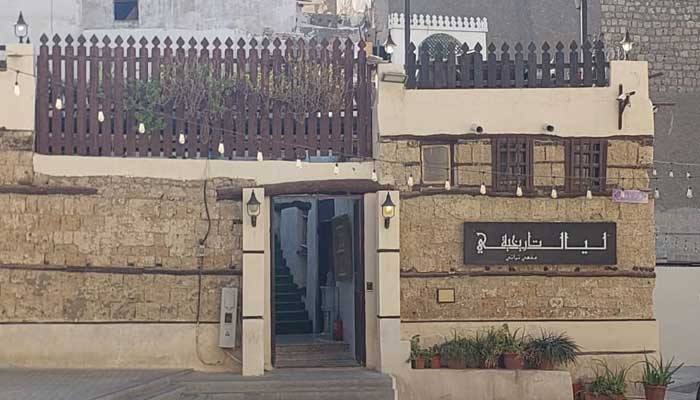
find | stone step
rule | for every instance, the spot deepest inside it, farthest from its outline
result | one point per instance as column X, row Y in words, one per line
column 313, row 348
column 287, row 297
column 287, row 385
column 357, row 394
column 309, row 362
column 285, row 289
column 288, row 306
column 167, row 393
column 295, row 315
column 293, row 327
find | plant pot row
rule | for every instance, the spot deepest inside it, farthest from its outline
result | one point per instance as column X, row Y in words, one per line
column 510, row 361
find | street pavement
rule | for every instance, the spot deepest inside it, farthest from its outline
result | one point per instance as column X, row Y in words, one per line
column 685, row 385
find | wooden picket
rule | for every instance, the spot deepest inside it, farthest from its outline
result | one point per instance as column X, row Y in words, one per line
column 90, row 77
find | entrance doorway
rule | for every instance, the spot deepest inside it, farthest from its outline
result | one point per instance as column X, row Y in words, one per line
column 318, row 304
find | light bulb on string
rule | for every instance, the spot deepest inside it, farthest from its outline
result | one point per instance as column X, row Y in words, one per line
column 17, row 90
column 448, row 186
column 670, row 174
column 336, row 169
column 59, row 103
column 101, row 116
column 482, row 189
column 142, row 128
column 519, row 191
column 653, row 171
column 657, row 195
column 689, row 193
column 589, row 194
column 409, row 181
column 554, row 193
column 374, row 176
column 298, row 163
column 259, row 156
column 687, row 175
column 221, row 148
column 181, row 138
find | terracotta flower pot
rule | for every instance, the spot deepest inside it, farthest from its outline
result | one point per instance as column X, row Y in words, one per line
column 436, row 362
column 546, row 365
column 456, row 364
column 577, row 389
column 592, row 396
column 513, row 361
column 654, row 392
column 419, row 363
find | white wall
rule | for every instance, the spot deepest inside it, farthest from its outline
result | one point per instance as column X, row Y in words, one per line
column 677, row 310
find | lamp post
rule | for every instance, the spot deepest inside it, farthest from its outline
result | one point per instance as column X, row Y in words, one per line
column 407, row 31
column 582, row 7
column 21, row 28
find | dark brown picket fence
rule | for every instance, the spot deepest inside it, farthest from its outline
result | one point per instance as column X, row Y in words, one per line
column 91, row 77
column 452, row 67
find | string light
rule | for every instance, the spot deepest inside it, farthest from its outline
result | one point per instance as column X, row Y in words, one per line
column 554, row 193
column 448, row 186
column 298, row 163
column 653, row 171
column 482, row 189
column 142, row 128
column 409, row 181
column 687, row 175
column 374, row 175
column 181, row 138
column 657, row 195
column 519, row 191
column 16, row 88
column 336, row 169
column 589, row 194
column 670, row 174
column 221, row 148
column 101, row 116
column 689, row 193
column 259, row 156
column 59, row 103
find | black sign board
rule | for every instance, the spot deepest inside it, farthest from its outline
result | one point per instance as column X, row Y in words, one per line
column 540, row 243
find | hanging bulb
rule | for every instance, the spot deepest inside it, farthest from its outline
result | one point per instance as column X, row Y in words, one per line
column 298, row 163
column 181, row 138
column 554, row 193
column 101, row 116
column 653, row 171
column 689, row 193
column 670, row 174
column 687, row 175
column 657, row 195
column 519, row 191
column 482, row 189
column 59, row 103
column 17, row 89
column 447, row 185
column 336, row 169
column 374, row 175
column 589, row 194
column 260, row 155
column 409, row 181
column 142, row 128
column 221, row 148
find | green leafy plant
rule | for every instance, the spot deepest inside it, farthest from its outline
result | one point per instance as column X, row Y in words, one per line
column 510, row 342
column 488, row 345
column 657, row 373
column 609, row 381
column 549, row 347
column 417, row 351
column 144, row 99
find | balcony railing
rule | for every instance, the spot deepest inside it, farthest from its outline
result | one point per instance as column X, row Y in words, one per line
column 91, row 77
column 454, row 67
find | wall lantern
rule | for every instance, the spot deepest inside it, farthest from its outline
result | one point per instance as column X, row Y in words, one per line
column 253, row 208
column 627, row 44
column 389, row 45
column 388, row 210
column 21, row 28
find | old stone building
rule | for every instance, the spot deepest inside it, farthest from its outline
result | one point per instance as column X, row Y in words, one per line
column 119, row 254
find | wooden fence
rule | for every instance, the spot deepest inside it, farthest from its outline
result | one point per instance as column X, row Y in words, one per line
column 92, row 77
column 461, row 67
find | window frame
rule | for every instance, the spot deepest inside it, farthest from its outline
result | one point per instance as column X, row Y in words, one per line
column 127, row 19
column 576, row 184
column 450, row 163
column 501, row 185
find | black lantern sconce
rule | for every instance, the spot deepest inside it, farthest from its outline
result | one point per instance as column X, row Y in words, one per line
column 21, row 28
column 388, row 210
column 253, row 208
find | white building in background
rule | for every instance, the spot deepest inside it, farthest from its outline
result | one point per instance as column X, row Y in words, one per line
column 432, row 29
column 197, row 18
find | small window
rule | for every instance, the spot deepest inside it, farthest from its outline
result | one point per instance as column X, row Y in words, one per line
column 126, row 10
column 586, row 163
column 435, row 163
column 512, row 163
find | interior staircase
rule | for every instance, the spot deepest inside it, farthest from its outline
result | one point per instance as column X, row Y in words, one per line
column 291, row 316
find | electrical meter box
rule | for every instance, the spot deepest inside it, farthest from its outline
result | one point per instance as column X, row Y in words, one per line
column 229, row 317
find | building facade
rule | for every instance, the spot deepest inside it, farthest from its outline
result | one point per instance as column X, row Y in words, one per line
column 120, row 258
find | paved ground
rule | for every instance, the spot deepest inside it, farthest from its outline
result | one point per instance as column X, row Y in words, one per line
column 686, row 384
column 65, row 384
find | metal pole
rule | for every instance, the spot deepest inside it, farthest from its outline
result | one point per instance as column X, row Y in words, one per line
column 407, row 30
column 584, row 21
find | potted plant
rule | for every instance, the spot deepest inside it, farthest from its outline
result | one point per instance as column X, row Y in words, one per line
column 609, row 384
column 550, row 350
column 486, row 346
column 435, row 359
column 656, row 376
column 453, row 352
column 418, row 355
column 511, row 346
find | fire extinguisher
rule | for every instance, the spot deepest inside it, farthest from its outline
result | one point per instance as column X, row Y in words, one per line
column 338, row 329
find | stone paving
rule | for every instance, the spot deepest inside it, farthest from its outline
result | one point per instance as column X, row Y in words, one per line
column 685, row 387
column 66, row 384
